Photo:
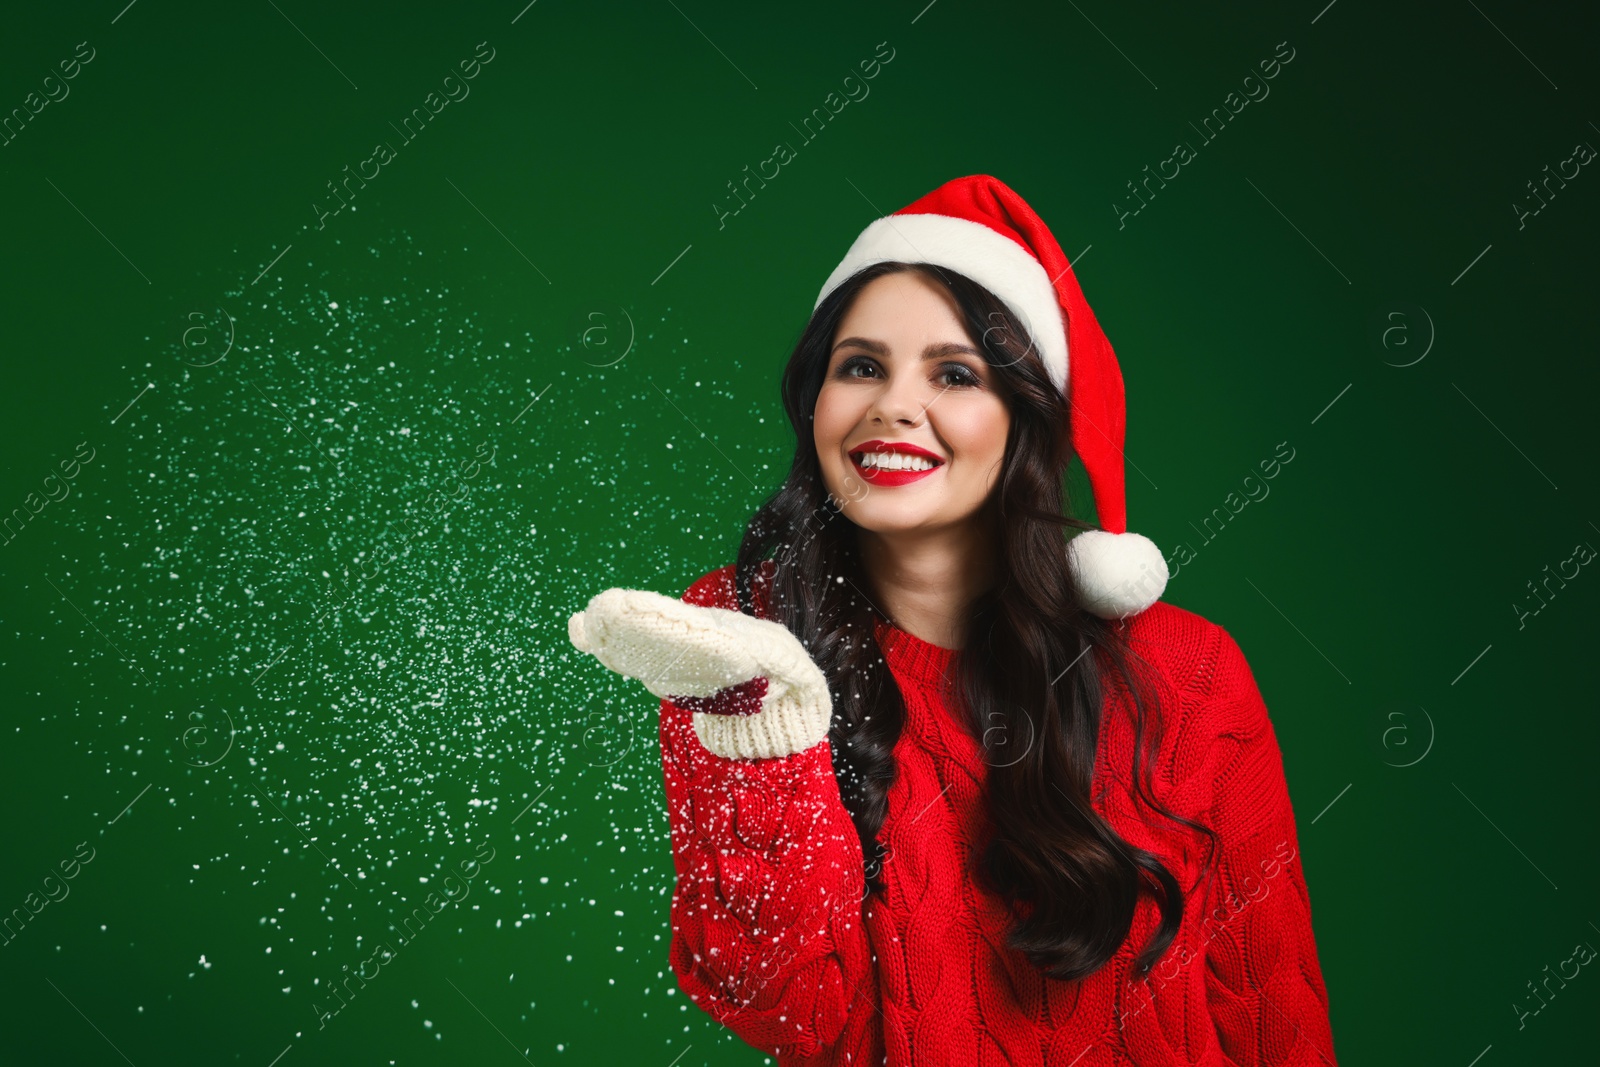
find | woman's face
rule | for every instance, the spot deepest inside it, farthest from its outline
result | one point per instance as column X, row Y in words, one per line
column 904, row 372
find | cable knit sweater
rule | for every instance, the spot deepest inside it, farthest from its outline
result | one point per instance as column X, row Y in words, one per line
column 774, row 936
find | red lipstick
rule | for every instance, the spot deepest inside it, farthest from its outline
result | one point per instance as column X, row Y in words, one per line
column 889, row 478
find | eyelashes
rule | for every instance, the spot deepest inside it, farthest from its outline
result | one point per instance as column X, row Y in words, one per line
column 955, row 375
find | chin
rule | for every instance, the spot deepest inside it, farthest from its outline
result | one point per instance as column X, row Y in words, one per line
column 888, row 520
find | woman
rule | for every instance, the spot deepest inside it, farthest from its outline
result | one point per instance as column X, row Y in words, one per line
column 1050, row 823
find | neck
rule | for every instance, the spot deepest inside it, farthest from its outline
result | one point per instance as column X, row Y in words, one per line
column 925, row 580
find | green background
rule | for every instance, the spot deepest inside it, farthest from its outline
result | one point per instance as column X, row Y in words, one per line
column 271, row 767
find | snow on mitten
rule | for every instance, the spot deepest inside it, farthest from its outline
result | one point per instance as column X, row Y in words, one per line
column 754, row 691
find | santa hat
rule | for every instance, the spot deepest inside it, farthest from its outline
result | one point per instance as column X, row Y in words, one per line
column 978, row 227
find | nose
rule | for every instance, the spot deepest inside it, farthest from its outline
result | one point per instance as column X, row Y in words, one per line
column 903, row 399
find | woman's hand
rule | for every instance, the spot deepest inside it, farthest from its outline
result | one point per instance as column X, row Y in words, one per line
column 685, row 651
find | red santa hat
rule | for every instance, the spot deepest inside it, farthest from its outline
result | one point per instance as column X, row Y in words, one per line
column 979, row 227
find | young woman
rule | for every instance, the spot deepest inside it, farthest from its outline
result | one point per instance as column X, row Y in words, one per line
column 944, row 786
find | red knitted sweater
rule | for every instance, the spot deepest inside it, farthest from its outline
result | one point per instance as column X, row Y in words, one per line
column 773, row 935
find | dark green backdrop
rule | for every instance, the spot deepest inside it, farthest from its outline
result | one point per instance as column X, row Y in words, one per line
column 292, row 647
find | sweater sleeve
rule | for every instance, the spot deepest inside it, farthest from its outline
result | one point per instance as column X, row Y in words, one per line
column 1264, row 984
column 767, row 933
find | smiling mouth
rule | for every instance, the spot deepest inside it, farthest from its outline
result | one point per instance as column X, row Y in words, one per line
column 894, row 462
column 897, row 468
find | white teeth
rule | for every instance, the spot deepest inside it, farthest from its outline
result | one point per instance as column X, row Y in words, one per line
column 896, row 461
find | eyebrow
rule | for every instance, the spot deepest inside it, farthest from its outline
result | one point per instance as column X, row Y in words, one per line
column 934, row 351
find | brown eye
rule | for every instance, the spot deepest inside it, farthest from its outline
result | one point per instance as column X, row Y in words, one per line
column 959, row 375
column 848, row 368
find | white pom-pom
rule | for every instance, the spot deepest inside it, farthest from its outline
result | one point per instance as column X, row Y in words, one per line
column 1117, row 574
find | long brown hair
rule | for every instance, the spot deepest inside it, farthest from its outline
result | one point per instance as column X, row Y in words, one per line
column 1071, row 882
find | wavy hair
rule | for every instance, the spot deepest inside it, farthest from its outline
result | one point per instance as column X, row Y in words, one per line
column 1032, row 696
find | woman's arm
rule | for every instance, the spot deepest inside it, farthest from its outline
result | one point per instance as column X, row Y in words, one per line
column 1263, row 980
column 766, row 917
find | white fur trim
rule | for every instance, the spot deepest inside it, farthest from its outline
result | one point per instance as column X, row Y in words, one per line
column 1117, row 574
column 994, row 261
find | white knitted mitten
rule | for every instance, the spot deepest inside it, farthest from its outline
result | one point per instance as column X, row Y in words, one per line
column 681, row 650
